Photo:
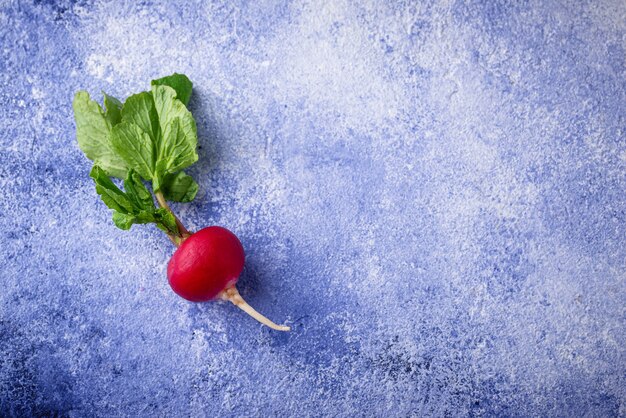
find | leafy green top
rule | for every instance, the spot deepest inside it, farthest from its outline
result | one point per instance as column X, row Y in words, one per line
column 152, row 136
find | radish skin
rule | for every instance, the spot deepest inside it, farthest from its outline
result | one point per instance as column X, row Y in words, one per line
column 206, row 266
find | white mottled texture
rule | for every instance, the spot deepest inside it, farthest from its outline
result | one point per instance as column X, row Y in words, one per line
column 433, row 195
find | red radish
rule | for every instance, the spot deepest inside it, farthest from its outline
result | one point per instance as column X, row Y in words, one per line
column 153, row 137
column 207, row 266
column 206, row 263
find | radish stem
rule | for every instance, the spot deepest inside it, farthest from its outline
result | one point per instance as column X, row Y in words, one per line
column 232, row 294
column 175, row 240
column 163, row 203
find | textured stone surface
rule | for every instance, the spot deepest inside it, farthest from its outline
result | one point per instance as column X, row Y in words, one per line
column 433, row 195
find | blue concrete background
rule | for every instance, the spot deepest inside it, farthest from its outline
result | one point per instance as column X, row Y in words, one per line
column 432, row 194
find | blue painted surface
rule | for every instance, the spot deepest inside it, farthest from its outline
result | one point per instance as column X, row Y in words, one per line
column 433, row 195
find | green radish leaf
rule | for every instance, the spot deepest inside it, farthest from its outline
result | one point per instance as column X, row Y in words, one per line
column 135, row 147
column 123, row 220
column 113, row 108
column 137, row 192
column 151, row 137
column 111, row 195
column 179, row 140
column 134, row 205
column 93, row 133
column 179, row 187
column 180, row 83
column 166, row 221
column 178, row 149
column 139, row 109
column 157, row 135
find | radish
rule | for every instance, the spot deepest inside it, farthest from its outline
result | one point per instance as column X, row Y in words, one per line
column 207, row 266
column 152, row 137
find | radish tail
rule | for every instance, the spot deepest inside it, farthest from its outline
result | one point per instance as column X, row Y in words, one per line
column 232, row 294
